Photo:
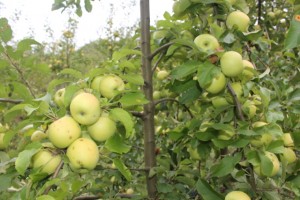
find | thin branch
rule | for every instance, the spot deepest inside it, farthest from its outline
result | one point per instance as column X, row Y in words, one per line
column 174, row 100
column 259, row 11
column 236, row 102
column 54, row 176
column 137, row 114
column 157, row 62
column 14, row 101
column 121, row 195
column 157, row 51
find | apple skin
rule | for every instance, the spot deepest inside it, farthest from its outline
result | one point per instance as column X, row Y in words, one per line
column 180, row 6
column 85, row 108
column 287, row 140
column 111, row 85
column 238, row 19
column 237, row 195
column 275, row 161
column 129, row 191
column 265, row 138
column 247, row 73
column 102, row 129
column 232, row 64
column 162, row 74
column 59, row 97
column 225, row 135
column 46, row 161
column 207, row 42
column 2, row 145
column 217, row 85
column 289, row 155
column 63, row 132
column 83, row 153
column 38, row 135
column 219, row 102
column 96, row 83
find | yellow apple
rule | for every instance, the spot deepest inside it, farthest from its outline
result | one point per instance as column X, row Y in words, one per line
column 63, row 132
column 239, row 20
column 217, row 85
column 289, row 155
column 264, row 139
column 83, row 153
column 288, row 140
column 46, row 161
column 85, row 108
column 59, row 97
column 276, row 164
column 38, row 135
column 95, row 85
column 219, row 102
column 232, row 64
column 248, row 70
column 156, row 95
column 207, row 43
column 102, row 129
column 225, row 135
column 237, row 195
column 111, row 85
column 249, row 109
column 129, row 191
column 194, row 155
column 162, row 74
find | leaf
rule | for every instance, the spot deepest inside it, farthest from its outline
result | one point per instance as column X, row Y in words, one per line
column 206, row 191
column 5, row 30
column 121, row 115
column 123, row 169
column 117, row 55
column 276, row 146
column 266, row 165
column 292, row 39
column 24, row 157
column 26, row 44
column 116, row 144
column 132, row 99
column 88, row 6
column 206, row 72
column 226, row 165
column 185, row 69
column 136, row 79
column 21, row 91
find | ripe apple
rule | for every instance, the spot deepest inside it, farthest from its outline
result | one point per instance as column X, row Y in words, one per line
column 156, row 95
column 111, row 85
column 276, row 164
column 289, row 155
column 162, row 74
column 102, row 129
column 247, row 73
column 59, row 97
column 180, row 6
column 96, row 83
column 287, row 140
column 2, row 145
column 83, row 153
column 46, row 161
column 85, row 108
column 225, row 134
column 207, row 43
column 232, row 64
column 264, row 139
column 217, row 85
column 237, row 195
column 239, row 20
column 129, row 191
column 38, row 135
column 63, row 132
column 219, row 102
column 232, row 2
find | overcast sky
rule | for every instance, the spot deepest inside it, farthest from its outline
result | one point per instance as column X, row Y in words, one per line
column 29, row 17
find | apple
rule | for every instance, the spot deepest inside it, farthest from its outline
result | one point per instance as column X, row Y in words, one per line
column 207, row 43
column 38, row 135
column 46, row 161
column 160, row 35
column 249, row 108
column 271, row 15
column 162, row 74
column 2, row 145
column 239, row 20
column 85, row 108
column 288, row 140
column 63, row 132
column 59, row 97
column 264, row 139
column 225, row 135
column 276, row 164
column 247, row 73
column 217, row 85
column 96, row 83
column 129, row 191
column 237, row 195
column 111, row 85
column 156, row 95
column 289, row 155
column 232, row 64
column 102, row 129
column 232, row 2
column 83, row 153
column 180, row 6
column 219, row 102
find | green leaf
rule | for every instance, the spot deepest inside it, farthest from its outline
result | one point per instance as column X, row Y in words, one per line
column 123, row 169
column 5, row 30
column 24, row 157
column 121, row 115
column 3, row 64
column 21, row 91
column 226, row 165
column 206, row 191
column 185, row 69
column 276, row 146
column 116, row 144
column 26, row 44
column 132, row 99
column 206, row 72
column 164, row 188
column 136, row 79
column 88, row 6
column 266, row 165
column 292, row 39
column 117, row 55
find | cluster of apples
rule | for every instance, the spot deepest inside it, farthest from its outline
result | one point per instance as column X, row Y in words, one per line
column 66, row 133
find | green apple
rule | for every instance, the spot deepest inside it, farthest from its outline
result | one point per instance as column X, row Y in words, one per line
column 264, row 139
column 63, row 132
column 271, row 15
column 237, row 195
column 232, row 2
column 102, row 129
column 288, row 140
column 219, row 102
column 249, row 108
column 207, row 42
column 239, row 20
column 232, row 64
column 160, row 35
column 276, row 164
column 96, row 83
column 217, row 85
column 180, row 6
column 247, row 73
column 46, row 161
column 156, row 95
column 85, row 108
column 162, row 74
column 2, row 145
column 83, row 153
column 59, row 97
column 129, row 191
column 38, row 135
column 111, row 85
column 289, row 155
column 225, row 134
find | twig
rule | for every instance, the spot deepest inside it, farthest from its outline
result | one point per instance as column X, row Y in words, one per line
column 236, row 102
column 157, row 51
column 14, row 101
column 137, row 114
column 259, row 11
column 157, row 62
column 54, row 176
column 173, row 100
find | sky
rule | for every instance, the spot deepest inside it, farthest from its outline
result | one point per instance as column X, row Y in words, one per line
column 31, row 17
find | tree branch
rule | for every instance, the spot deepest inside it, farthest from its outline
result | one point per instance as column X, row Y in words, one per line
column 236, row 102
column 14, row 101
column 157, row 51
column 54, row 176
